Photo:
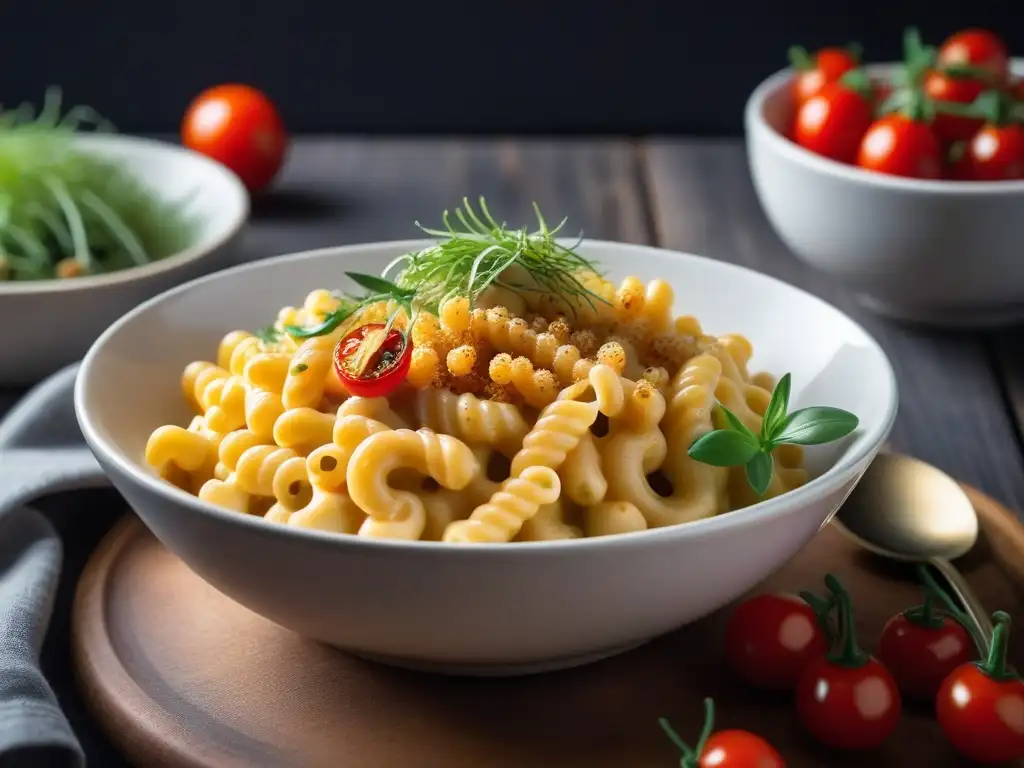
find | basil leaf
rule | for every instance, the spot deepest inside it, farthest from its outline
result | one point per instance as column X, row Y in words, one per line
column 733, row 423
column 760, row 469
column 376, row 284
column 775, row 413
column 724, row 448
column 816, row 425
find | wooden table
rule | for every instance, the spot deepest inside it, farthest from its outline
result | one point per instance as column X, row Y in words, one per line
column 961, row 394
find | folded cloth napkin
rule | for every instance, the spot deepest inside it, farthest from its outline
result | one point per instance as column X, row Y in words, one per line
column 41, row 451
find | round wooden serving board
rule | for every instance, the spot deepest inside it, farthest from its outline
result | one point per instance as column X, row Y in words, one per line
column 181, row 676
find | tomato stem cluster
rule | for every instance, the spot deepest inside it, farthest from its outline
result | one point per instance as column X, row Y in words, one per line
column 691, row 756
column 932, row 591
column 995, row 665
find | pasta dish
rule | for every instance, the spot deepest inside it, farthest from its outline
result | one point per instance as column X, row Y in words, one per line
column 497, row 389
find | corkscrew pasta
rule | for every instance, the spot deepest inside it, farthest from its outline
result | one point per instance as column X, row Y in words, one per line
column 517, row 419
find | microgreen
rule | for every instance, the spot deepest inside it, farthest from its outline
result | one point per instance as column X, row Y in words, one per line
column 736, row 445
column 473, row 252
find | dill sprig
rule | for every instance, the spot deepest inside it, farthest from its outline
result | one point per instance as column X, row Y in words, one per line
column 67, row 212
column 480, row 253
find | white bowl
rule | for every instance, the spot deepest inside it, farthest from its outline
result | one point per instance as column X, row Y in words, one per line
column 57, row 320
column 939, row 252
column 484, row 609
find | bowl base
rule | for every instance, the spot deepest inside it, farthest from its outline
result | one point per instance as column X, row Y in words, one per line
column 962, row 318
column 493, row 670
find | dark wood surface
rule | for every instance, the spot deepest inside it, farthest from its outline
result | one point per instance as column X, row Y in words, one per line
column 962, row 394
column 182, row 699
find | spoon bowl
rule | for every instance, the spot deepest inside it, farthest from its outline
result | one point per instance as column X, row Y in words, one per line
column 905, row 509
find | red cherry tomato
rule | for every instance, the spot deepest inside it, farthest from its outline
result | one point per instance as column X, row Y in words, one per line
column 371, row 363
column 847, row 700
column 977, row 48
column 959, row 90
column 724, row 749
column 827, row 66
column 770, row 638
column 1017, row 90
column 897, row 145
column 980, row 707
column 995, row 153
column 833, row 121
column 920, row 650
column 237, row 126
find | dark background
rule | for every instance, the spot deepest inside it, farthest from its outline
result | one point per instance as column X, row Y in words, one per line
column 488, row 66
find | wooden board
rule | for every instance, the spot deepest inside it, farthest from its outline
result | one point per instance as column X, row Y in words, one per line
column 180, row 676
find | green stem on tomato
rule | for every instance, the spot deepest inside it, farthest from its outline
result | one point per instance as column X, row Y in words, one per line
column 691, row 757
column 995, row 665
column 822, row 612
column 858, row 81
column 850, row 654
column 800, row 59
column 960, row 616
column 923, row 615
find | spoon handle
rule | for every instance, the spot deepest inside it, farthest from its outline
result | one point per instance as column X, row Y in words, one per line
column 963, row 592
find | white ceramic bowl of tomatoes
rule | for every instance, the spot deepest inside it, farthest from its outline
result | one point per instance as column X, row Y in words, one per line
column 902, row 181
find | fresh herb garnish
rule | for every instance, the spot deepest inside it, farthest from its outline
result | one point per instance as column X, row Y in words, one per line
column 736, row 445
column 299, row 368
column 268, row 335
column 466, row 261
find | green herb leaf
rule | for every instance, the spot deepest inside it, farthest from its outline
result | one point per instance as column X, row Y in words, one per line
column 268, row 335
column 759, row 471
column 734, row 423
column 299, row 368
column 816, row 425
column 775, row 413
column 376, row 284
column 330, row 323
column 724, row 448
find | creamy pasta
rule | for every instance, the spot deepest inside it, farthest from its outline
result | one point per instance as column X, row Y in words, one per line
column 512, row 416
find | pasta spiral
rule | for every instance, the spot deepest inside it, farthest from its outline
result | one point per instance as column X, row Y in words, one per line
column 501, row 518
column 472, row 420
column 557, row 432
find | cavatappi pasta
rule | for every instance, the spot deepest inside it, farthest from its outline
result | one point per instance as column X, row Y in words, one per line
column 513, row 423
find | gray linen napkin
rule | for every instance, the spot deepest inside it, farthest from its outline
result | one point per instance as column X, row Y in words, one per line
column 41, row 451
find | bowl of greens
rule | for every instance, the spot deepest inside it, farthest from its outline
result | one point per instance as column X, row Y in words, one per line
column 92, row 223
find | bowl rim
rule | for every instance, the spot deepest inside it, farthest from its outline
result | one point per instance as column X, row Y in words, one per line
column 815, row 489
column 756, row 124
column 171, row 262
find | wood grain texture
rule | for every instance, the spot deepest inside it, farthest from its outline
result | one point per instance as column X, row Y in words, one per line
column 182, row 677
column 952, row 412
column 334, row 192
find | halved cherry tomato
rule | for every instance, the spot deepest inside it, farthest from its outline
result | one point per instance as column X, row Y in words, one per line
column 995, row 153
column 724, row 749
column 371, row 363
column 815, row 72
column 980, row 706
column 770, row 638
column 977, row 48
column 921, row 648
column 833, row 121
column 239, row 127
column 958, row 90
column 847, row 700
column 901, row 146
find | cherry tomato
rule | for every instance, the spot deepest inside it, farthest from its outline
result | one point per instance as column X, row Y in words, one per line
column 371, row 363
column 237, row 126
column 959, row 90
column 770, row 638
column 833, row 121
column 920, row 649
column 847, row 700
column 826, row 66
column 981, row 705
column 898, row 145
column 1017, row 89
column 977, row 48
column 724, row 749
column 995, row 153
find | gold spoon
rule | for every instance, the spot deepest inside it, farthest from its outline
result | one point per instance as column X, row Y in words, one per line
column 908, row 510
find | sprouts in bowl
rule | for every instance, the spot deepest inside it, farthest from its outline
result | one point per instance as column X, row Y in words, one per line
column 92, row 224
column 462, row 491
